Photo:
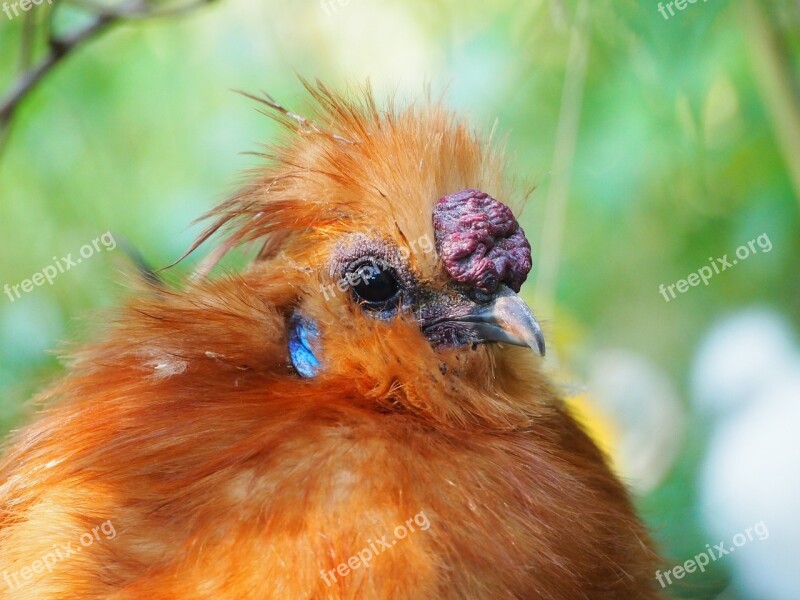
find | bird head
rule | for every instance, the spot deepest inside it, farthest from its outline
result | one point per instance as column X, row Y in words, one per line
column 401, row 264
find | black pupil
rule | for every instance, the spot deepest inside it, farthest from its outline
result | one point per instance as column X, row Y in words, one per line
column 374, row 284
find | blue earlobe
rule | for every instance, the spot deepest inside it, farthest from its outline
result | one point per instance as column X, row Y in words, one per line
column 303, row 333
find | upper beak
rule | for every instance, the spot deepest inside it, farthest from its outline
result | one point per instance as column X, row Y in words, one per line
column 506, row 319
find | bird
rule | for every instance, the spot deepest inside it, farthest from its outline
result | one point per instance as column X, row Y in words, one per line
column 360, row 412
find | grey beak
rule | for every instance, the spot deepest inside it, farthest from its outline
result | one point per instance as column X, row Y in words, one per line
column 507, row 319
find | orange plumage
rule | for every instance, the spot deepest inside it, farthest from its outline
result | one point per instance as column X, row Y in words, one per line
column 227, row 472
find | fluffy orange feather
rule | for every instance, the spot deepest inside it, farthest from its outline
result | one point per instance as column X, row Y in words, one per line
column 225, row 474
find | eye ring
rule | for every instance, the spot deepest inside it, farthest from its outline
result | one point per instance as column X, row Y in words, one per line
column 374, row 284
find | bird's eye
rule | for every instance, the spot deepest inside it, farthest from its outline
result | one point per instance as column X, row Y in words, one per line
column 375, row 286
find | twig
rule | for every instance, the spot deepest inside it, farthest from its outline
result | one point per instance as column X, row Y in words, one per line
column 59, row 47
column 140, row 11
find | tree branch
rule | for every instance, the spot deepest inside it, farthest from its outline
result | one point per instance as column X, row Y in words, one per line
column 59, row 47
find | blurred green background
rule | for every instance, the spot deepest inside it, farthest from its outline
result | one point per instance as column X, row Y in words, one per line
column 655, row 143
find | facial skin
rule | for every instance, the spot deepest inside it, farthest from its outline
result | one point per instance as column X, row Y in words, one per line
column 384, row 286
column 456, row 315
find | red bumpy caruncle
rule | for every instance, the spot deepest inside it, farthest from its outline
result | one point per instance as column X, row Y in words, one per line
column 480, row 242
